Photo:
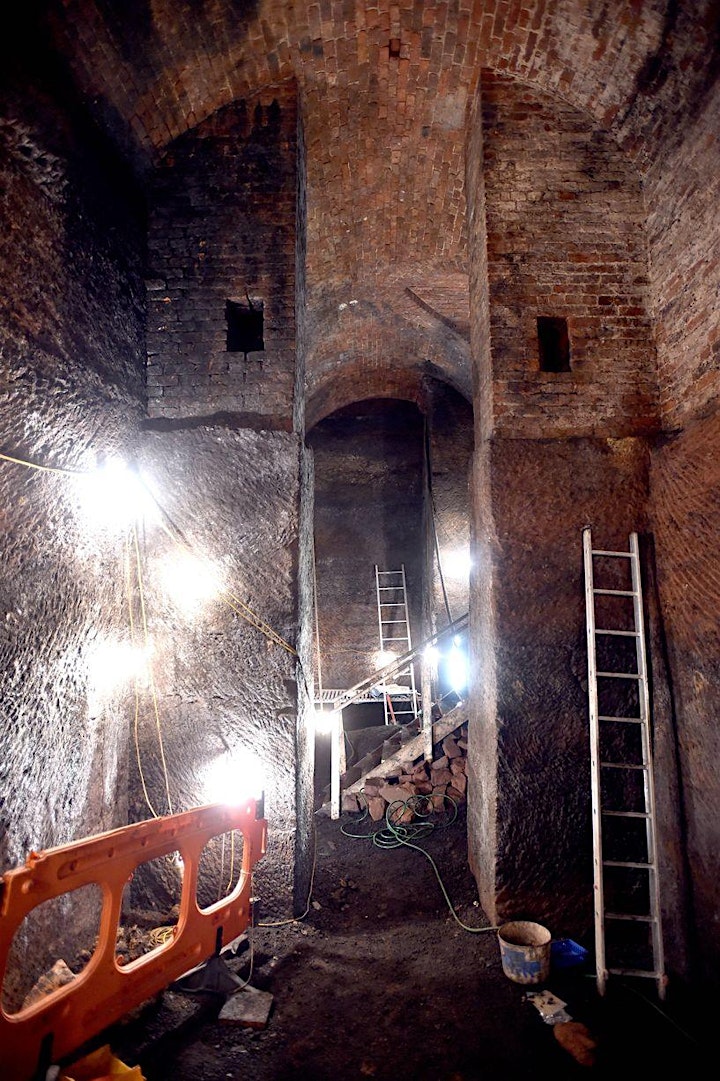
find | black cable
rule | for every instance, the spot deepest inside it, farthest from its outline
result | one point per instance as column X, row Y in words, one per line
column 433, row 516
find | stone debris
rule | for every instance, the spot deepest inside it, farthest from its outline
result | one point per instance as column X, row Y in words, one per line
column 249, row 1008
column 58, row 976
column 578, row 1041
column 445, row 776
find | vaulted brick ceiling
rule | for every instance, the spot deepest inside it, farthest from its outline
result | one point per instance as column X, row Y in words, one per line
column 384, row 89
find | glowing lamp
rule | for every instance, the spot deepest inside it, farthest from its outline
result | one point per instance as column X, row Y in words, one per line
column 457, row 668
column 233, row 778
column 113, row 496
column 189, row 581
column 457, row 563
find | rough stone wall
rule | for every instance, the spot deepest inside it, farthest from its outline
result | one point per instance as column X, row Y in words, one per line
column 564, row 239
column 685, row 519
column 223, row 227
column 306, row 676
column 224, row 689
column 450, row 435
column 368, row 510
column 71, row 393
column 564, row 224
column 227, row 223
column 541, row 495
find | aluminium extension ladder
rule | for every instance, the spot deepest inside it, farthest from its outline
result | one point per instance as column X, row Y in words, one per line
column 628, row 930
column 399, row 697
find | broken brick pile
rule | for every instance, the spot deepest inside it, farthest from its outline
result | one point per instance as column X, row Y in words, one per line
column 438, row 781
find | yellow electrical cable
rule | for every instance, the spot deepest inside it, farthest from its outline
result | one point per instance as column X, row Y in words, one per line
column 297, row 919
column 158, row 726
column 43, row 468
column 158, row 936
column 232, row 861
column 243, row 610
column 138, row 756
column 222, row 866
column 229, row 598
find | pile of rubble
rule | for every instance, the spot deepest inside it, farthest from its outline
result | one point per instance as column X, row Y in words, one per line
column 417, row 787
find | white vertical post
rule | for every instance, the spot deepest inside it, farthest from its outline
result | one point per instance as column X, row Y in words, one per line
column 337, row 761
column 427, row 721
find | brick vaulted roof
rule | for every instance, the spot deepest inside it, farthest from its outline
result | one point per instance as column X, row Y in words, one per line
column 384, row 91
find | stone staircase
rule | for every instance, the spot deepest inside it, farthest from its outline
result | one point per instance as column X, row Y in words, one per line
column 404, row 747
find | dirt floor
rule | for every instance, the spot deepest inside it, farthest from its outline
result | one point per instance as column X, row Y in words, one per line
column 380, row 980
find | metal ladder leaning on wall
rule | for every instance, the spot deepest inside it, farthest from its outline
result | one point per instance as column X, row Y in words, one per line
column 621, row 768
column 394, row 626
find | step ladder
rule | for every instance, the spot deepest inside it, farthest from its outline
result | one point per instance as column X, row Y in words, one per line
column 628, row 930
column 400, row 699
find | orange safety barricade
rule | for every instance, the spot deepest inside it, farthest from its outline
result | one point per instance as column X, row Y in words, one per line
column 50, row 1029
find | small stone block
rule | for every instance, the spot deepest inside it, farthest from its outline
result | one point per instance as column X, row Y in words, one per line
column 249, row 1007
column 376, row 808
column 450, row 747
column 350, row 802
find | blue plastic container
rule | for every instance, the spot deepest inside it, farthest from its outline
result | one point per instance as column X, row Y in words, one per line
column 564, row 953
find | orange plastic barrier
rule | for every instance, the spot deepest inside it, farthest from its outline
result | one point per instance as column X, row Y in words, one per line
column 50, row 1029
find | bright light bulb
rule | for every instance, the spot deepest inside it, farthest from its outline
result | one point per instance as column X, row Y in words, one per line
column 457, row 563
column 325, row 721
column 113, row 496
column 112, row 664
column 383, row 657
column 432, row 654
column 190, row 582
column 234, row 777
column 457, row 669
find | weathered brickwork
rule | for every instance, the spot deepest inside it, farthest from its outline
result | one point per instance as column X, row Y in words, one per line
column 223, row 226
column 565, row 239
column 577, row 178
column 683, row 195
column 382, row 337
column 384, row 131
column 482, row 374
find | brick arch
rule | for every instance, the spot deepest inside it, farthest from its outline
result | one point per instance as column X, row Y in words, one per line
column 385, row 346
column 163, row 74
column 361, row 378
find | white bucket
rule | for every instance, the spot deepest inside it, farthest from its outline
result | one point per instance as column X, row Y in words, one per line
column 525, row 951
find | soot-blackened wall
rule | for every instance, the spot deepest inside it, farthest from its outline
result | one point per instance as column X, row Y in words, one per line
column 225, row 404
column 557, row 218
column 368, row 511
column 71, row 337
column 223, row 231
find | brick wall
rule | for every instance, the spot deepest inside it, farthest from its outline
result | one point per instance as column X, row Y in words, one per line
column 368, row 510
column 223, row 226
column 683, row 193
column 565, row 239
column 478, row 284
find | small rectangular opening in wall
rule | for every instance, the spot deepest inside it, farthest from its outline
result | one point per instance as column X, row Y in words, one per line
column 245, row 325
column 553, row 343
